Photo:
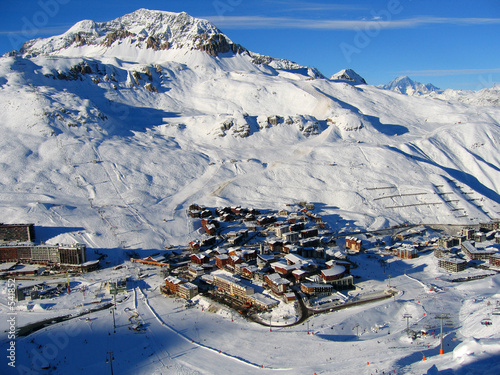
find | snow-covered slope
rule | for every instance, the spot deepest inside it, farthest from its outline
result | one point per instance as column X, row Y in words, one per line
column 405, row 85
column 115, row 139
column 483, row 97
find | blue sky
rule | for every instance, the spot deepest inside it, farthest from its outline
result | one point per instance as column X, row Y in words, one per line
column 450, row 43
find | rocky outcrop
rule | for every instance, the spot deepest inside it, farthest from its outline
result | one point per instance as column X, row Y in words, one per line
column 116, row 35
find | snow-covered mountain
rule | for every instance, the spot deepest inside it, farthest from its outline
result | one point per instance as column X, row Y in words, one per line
column 405, row 85
column 484, row 97
column 112, row 129
column 348, row 75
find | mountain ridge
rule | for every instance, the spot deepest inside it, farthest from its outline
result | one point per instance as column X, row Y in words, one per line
column 405, row 85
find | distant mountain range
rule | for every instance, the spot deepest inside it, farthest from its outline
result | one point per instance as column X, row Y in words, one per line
column 484, row 97
column 405, row 85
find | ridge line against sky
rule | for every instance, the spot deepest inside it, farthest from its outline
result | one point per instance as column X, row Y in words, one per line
column 454, row 43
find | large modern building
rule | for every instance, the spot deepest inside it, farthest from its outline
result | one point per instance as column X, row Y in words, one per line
column 43, row 254
column 17, row 232
column 452, row 264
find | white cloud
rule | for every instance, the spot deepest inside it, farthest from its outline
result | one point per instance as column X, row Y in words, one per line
column 449, row 72
column 263, row 22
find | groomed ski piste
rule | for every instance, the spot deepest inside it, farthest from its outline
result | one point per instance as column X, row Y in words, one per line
column 209, row 338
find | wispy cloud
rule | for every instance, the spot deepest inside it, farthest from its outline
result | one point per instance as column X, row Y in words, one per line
column 38, row 31
column 263, row 22
column 305, row 6
column 449, row 72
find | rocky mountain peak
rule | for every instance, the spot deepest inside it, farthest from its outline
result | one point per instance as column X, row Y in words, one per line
column 144, row 29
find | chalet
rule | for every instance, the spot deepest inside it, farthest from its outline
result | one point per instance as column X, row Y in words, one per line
column 249, row 271
column 199, row 258
column 195, row 206
column 266, row 220
column 315, row 289
column 206, row 214
column 283, row 268
column 406, row 252
column 249, row 217
column 310, row 242
column 208, row 241
column 233, row 260
column 452, row 264
column 297, row 227
column 275, row 246
column 194, row 246
column 248, row 255
column 291, row 249
column 300, row 274
column 308, row 233
column 289, row 297
column 195, row 214
column 293, row 259
column 277, row 284
column 172, row 284
column 237, row 210
column 221, row 260
column 283, row 213
column 494, row 260
column 239, row 239
column 210, row 226
column 353, row 244
column 264, row 260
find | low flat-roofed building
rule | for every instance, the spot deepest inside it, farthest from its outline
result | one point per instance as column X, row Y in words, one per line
column 316, row 289
column 334, row 273
column 262, row 301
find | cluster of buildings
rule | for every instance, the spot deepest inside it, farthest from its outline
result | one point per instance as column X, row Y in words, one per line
column 17, row 245
column 276, row 251
column 467, row 241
